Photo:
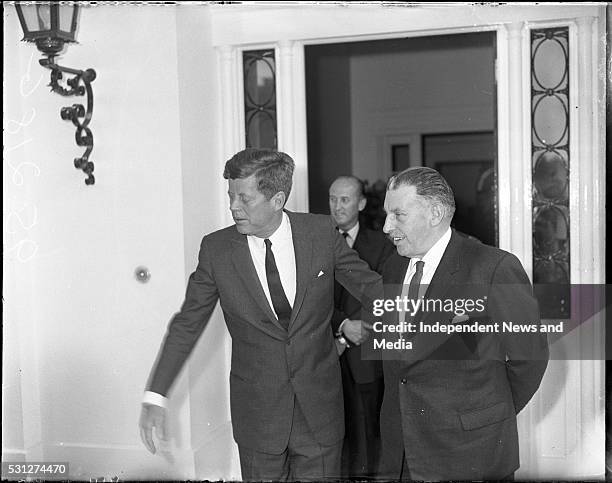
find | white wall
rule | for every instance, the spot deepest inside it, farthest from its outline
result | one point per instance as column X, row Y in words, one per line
column 83, row 332
column 433, row 85
column 204, row 202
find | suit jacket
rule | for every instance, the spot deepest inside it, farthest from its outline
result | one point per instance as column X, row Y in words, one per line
column 374, row 248
column 271, row 366
column 452, row 401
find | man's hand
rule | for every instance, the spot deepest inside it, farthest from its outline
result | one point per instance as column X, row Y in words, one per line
column 356, row 331
column 152, row 416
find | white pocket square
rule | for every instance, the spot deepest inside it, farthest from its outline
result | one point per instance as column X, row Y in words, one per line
column 320, row 273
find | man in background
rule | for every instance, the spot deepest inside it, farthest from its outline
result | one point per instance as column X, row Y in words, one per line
column 362, row 380
column 450, row 404
column 273, row 273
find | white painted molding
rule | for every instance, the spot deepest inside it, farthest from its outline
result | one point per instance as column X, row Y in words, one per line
column 291, row 117
column 514, row 155
column 591, row 220
column 579, row 419
column 580, row 152
column 598, row 81
column 231, row 114
column 598, row 78
column 251, row 24
column 232, row 118
column 300, row 140
column 502, row 75
column 284, row 98
column 387, row 141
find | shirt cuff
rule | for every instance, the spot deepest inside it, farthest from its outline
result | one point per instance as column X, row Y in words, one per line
column 155, row 399
column 340, row 327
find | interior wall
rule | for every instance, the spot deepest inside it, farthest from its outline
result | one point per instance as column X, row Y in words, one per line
column 362, row 95
column 204, row 200
column 84, row 333
column 328, row 94
column 406, row 87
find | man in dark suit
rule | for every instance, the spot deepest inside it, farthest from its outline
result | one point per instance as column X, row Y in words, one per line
column 362, row 380
column 451, row 399
column 273, row 274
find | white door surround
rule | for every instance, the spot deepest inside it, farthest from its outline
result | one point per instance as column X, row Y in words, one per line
column 545, row 424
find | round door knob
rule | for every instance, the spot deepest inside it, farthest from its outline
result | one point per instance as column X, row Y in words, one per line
column 142, row 274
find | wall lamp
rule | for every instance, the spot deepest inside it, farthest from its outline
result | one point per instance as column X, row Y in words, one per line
column 50, row 25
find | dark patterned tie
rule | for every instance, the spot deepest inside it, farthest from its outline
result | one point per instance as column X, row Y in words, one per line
column 277, row 294
column 346, row 235
column 413, row 289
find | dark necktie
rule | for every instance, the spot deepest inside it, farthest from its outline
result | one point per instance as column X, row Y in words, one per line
column 345, row 235
column 413, row 289
column 277, row 294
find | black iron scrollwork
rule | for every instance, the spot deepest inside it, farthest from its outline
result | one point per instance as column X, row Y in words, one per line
column 76, row 113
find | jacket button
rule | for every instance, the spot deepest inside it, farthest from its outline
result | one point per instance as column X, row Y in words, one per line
column 403, row 381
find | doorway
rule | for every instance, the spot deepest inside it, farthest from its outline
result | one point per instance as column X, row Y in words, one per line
column 374, row 108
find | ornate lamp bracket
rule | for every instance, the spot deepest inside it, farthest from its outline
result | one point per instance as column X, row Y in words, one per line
column 78, row 85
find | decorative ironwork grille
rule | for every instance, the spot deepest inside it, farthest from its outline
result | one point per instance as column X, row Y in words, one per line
column 259, row 69
column 550, row 138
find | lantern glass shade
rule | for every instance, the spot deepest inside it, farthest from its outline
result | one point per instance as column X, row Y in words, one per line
column 48, row 20
column 68, row 20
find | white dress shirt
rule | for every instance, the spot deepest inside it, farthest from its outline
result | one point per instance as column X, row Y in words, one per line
column 351, row 235
column 431, row 261
column 284, row 256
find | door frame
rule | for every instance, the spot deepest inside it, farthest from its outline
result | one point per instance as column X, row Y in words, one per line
column 250, row 28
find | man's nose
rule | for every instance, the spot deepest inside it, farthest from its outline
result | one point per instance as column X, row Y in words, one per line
column 234, row 205
column 388, row 226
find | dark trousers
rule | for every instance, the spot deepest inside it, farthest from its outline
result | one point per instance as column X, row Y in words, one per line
column 304, row 459
column 361, row 453
column 405, row 473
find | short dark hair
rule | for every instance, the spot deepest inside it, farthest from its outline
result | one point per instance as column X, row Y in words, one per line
column 429, row 184
column 358, row 183
column 273, row 170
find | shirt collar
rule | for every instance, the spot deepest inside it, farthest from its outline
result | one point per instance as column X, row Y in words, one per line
column 434, row 254
column 282, row 234
column 353, row 231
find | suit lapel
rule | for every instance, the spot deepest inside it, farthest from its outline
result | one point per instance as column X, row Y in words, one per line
column 302, row 244
column 360, row 246
column 362, row 241
column 449, row 265
column 446, row 275
column 397, row 273
column 243, row 264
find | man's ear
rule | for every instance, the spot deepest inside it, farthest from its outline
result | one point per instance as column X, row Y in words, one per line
column 279, row 200
column 362, row 203
column 437, row 211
